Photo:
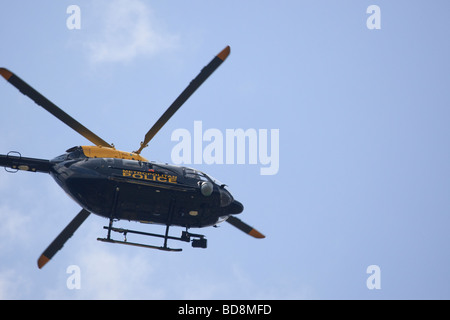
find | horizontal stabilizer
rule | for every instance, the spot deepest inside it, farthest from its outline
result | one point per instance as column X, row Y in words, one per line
column 17, row 162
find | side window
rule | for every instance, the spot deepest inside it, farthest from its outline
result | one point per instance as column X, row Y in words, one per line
column 133, row 164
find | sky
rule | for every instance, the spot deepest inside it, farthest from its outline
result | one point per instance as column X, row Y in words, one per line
column 358, row 206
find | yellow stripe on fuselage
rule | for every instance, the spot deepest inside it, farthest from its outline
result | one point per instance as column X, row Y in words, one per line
column 105, row 152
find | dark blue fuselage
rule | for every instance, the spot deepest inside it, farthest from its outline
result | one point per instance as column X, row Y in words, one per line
column 143, row 191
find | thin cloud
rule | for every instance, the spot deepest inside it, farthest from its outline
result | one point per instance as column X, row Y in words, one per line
column 128, row 30
column 10, row 281
column 14, row 226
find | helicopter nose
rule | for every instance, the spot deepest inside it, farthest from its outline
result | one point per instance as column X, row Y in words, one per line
column 235, row 207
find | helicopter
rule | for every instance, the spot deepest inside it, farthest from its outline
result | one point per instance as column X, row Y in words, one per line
column 120, row 185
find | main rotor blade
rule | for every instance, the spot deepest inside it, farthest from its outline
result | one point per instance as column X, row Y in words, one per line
column 244, row 227
column 61, row 239
column 42, row 101
column 190, row 89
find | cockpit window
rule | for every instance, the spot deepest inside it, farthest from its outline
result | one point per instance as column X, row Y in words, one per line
column 225, row 197
column 219, row 183
column 195, row 174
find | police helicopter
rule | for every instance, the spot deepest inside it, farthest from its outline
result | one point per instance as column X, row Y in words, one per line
column 121, row 185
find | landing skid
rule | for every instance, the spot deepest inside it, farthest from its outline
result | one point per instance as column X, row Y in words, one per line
column 199, row 240
column 139, row 245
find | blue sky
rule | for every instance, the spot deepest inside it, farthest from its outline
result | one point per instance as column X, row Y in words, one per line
column 364, row 170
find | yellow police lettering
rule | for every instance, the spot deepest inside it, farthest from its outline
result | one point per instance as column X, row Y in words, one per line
column 126, row 173
column 149, row 176
column 173, row 179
